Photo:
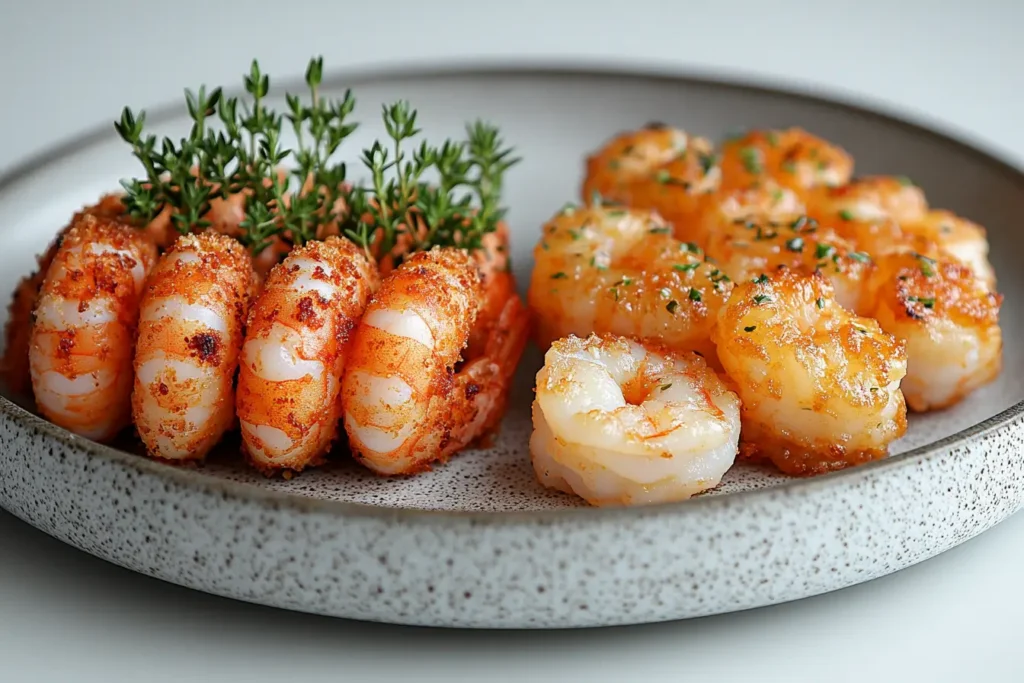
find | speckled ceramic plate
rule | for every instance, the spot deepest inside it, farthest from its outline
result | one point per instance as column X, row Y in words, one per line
column 478, row 542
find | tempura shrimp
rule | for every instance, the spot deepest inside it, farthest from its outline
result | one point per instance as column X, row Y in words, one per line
column 793, row 158
column 820, row 386
column 295, row 350
column 620, row 423
column 81, row 343
column 949, row 320
column 612, row 270
column 190, row 333
column 658, row 167
column 410, row 398
column 746, row 249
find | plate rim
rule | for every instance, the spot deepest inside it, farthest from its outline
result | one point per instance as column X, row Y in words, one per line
column 506, row 68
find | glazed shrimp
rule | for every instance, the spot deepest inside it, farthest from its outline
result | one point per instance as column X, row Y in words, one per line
column 80, row 349
column 295, row 350
column 820, row 386
column 659, row 168
column 190, row 333
column 746, row 249
column 620, row 423
column 870, row 198
column 793, row 158
column 949, row 320
column 609, row 270
column 963, row 239
column 406, row 402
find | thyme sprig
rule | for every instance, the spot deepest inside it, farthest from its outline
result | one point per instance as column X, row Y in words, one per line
column 416, row 195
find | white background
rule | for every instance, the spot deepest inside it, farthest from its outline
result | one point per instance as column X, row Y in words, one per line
column 65, row 67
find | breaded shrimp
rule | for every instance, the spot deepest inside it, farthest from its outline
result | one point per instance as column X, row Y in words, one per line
column 15, row 364
column 294, row 353
column 949, row 320
column 190, row 333
column 820, row 386
column 658, row 167
column 746, row 249
column 793, row 158
column 80, row 349
column 611, row 270
column 620, row 423
column 407, row 400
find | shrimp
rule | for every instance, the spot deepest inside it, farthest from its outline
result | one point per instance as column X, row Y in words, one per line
column 793, row 158
column 820, row 386
column 190, row 333
column 295, row 350
column 960, row 238
column 621, row 423
column 610, row 270
column 410, row 398
column 80, row 347
column 949, row 320
column 870, row 198
column 15, row 364
column 659, row 168
column 747, row 249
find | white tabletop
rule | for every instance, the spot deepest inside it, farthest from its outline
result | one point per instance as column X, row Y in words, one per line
column 67, row 616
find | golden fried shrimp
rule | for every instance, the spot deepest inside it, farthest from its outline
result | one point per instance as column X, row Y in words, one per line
column 659, row 168
column 190, row 332
column 294, row 353
column 611, row 270
column 867, row 199
column 746, row 249
column 15, row 366
column 407, row 401
column 793, row 158
column 620, row 423
column 949, row 320
column 820, row 386
column 958, row 237
column 502, row 326
column 81, row 343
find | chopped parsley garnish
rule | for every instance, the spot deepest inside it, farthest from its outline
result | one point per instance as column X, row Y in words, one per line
column 751, row 158
column 760, row 279
column 795, row 244
column 926, row 301
column 686, row 267
column 694, row 294
column 672, row 306
column 846, row 215
column 762, row 299
column 559, row 276
column 750, row 328
column 820, row 303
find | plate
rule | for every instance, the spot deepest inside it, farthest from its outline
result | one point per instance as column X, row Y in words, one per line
column 478, row 542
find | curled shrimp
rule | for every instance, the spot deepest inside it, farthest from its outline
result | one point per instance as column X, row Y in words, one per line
column 80, row 348
column 611, row 270
column 620, row 423
column 960, row 238
column 820, row 386
column 793, row 158
column 15, row 364
column 949, row 320
column 409, row 396
column 746, row 249
column 190, row 333
column 660, row 168
column 869, row 198
column 294, row 353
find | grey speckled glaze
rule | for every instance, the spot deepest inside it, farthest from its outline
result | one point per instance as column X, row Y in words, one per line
column 477, row 542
